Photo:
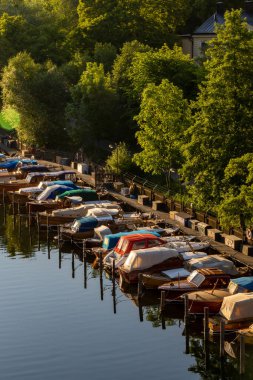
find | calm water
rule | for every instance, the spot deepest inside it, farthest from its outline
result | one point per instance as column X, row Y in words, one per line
column 51, row 327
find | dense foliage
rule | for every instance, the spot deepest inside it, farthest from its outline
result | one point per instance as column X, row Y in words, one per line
column 84, row 74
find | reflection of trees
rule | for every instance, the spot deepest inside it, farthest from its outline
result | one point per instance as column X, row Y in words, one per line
column 17, row 238
column 152, row 314
column 213, row 372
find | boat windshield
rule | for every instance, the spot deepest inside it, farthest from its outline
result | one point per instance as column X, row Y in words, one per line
column 232, row 287
column 196, row 278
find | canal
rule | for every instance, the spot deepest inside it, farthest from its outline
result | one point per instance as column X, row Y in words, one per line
column 60, row 324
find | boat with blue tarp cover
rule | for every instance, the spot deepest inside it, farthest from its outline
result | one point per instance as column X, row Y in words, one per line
column 110, row 241
column 87, row 194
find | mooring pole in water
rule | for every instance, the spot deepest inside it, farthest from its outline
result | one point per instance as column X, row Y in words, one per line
column 186, row 309
column 162, row 308
column 206, row 324
column 73, row 265
column 84, row 269
column 38, row 229
column 113, row 286
column 29, row 215
column 222, row 339
column 242, row 355
column 19, row 220
column 101, row 275
column 140, row 311
column 140, row 286
column 4, row 205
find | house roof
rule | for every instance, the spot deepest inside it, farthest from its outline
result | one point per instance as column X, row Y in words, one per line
column 208, row 27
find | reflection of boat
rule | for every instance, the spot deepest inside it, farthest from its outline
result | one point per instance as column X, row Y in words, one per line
column 148, row 260
column 199, row 279
column 213, row 299
column 247, row 333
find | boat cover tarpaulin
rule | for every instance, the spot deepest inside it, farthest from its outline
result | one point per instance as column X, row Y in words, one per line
column 183, row 246
column 86, row 194
column 84, row 224
column 192, row 255
column 145, row 258
column 212, row 261
column 76, row 212
column 101, row 231
column 176, row 273
column 244, row 282
column 110, row 241
column 52, row 191
column 61, row 182
column 102, row 211
column 237, row 307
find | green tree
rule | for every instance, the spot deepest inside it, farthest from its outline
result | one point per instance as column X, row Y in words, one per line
column 154, row 66
column 223, row 122
column 120, row 159
column 118, row 21
column 236, row 206
column 163, row 119
column 93, row 111
column 105, row 54
column 38, row 94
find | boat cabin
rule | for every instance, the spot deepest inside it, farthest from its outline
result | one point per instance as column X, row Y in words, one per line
column 138, row 241
column 110, row 241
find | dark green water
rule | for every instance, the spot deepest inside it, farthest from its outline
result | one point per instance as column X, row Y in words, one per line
column 52, row 327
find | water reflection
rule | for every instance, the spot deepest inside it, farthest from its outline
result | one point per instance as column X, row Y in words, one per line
column 20, row 238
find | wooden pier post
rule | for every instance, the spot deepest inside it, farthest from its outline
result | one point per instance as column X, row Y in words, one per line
column 140, row 286
column 101, row 275
column 222, row 339
column 84, row 269
column 73, row 265
column 113, row 286
column 140, row 312
column 4, row 206
column 38, row 229
column 29, row 216
column 242, row 355
column 186, row 309
column 206, row 324
column 162, row 301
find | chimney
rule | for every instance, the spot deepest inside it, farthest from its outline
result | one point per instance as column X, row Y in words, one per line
column 249, row 8
column 220, row 10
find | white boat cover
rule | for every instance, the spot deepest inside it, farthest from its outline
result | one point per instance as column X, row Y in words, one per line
column 101, row 231
column 146, row 258
column 76, row 212
column 212, row 261
column 191, row 255
column 176, row 273
column 183, row 246
column 97, row 212
column 179, row 238
column 237, row 307
column 28, row 190
column 49, row 190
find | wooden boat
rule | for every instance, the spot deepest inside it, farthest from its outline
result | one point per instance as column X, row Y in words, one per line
column 213, row 299
column 208, row 278
column 33, row 179
column 236, row 311
column 62, row 216
column 212, row 261
column 23, row 195
column 149, row 260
